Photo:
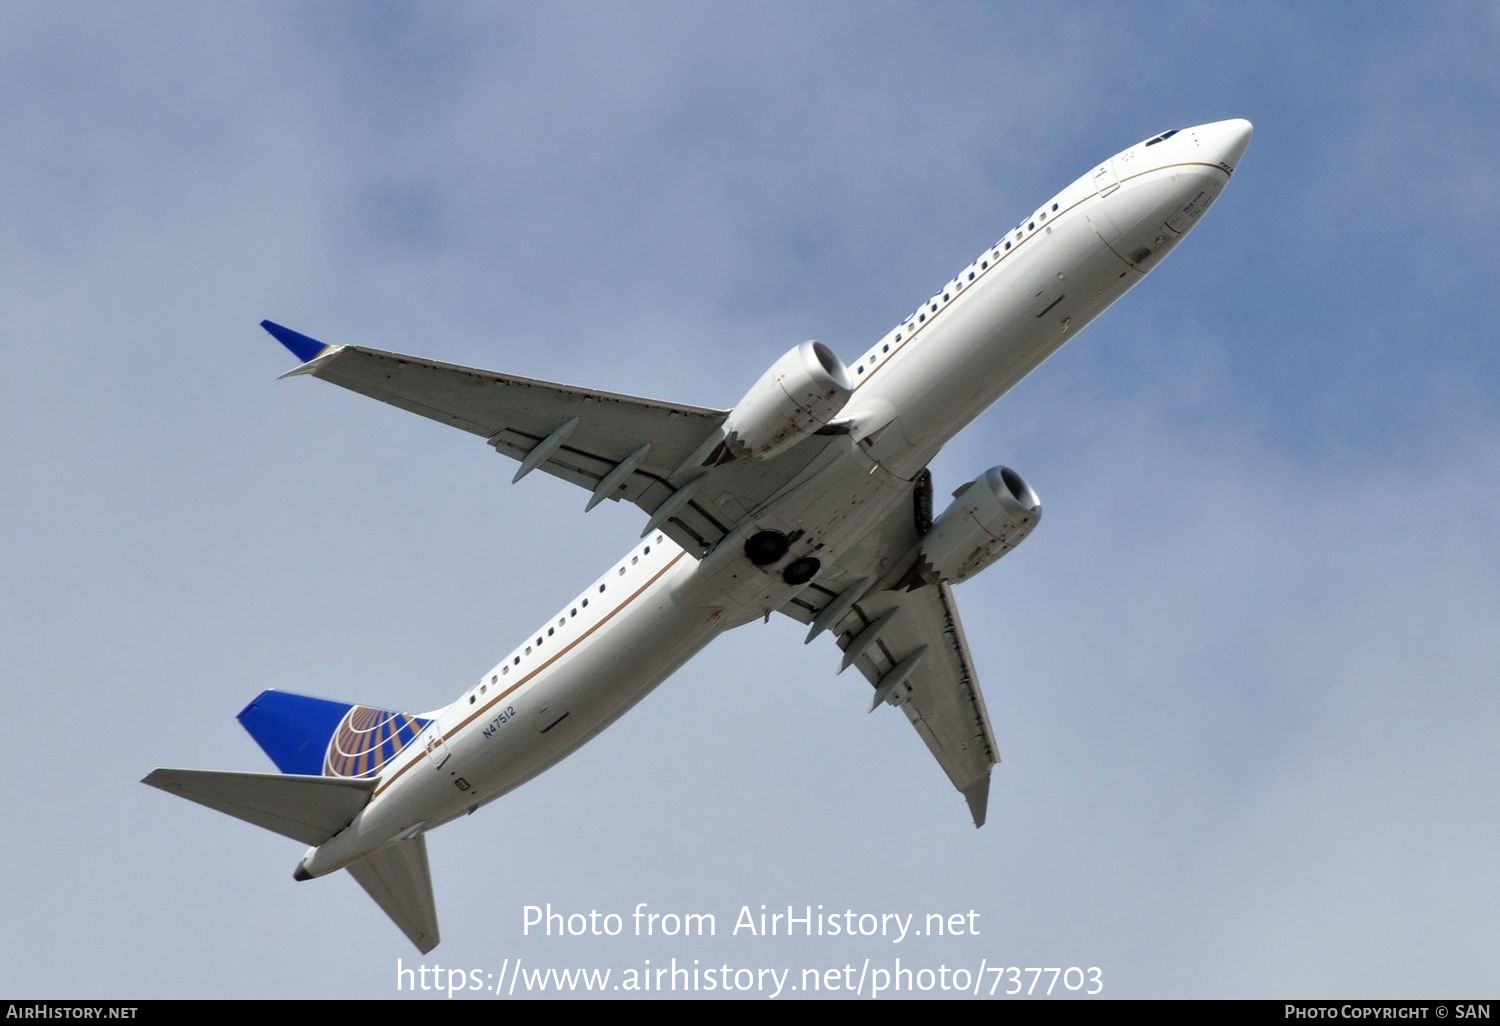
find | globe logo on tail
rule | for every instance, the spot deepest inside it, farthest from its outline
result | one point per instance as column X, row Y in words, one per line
column 367, row 739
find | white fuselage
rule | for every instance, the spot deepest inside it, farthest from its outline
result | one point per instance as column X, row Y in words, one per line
column 989, row 327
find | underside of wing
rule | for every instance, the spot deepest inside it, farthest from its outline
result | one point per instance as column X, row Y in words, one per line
column 920, row 663
column 619, row 447
column 910, row 646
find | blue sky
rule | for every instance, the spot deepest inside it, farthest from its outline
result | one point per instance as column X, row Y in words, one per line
column 1243, row 676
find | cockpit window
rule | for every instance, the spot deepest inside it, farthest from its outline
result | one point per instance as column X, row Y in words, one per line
column 1164, row 136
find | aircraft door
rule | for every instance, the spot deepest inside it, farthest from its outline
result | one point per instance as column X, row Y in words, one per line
column 1105, row 179
column 437, row 747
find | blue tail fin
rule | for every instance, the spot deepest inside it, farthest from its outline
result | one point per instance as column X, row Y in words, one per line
column 316, row 737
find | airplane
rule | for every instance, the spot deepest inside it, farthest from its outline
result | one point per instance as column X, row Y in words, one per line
column 811, row 498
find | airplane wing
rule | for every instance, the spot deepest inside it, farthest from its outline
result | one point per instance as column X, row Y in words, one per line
column 619, row 447
column 910, row 646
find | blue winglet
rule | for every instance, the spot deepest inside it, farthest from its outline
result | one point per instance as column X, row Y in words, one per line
column 302, row 347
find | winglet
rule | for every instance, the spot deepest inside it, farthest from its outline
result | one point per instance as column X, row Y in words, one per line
column 303, row 348
column 977, row 795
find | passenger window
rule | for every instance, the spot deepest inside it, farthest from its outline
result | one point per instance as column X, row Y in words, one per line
column 887, row 347
column 1007, row 245
column 586, row 601
column 550, row 631
column 971, row 275
column 1054, row 208
column 601, row 587
column 648, row 550
column 483, row 688
column 505, row 671
column 518, row 660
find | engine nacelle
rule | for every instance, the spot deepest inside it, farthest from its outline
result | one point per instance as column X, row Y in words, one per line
column 801, row 393
column 988, row 517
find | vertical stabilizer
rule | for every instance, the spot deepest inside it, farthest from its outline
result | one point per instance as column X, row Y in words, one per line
column 316, row 737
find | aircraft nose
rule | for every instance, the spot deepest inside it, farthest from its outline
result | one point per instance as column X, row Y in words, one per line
column 1229, row 139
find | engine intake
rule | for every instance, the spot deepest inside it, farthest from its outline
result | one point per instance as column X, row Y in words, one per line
column 801, row 393
column 988, row 517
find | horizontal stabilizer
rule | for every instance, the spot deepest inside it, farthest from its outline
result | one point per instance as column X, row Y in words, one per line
column 397, row 878
column 306, row 809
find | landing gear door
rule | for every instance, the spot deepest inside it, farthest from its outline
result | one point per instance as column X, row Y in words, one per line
column 1105, row 180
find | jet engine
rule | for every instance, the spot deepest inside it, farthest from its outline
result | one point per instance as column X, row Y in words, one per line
column 988, row 517
column 801, row 393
